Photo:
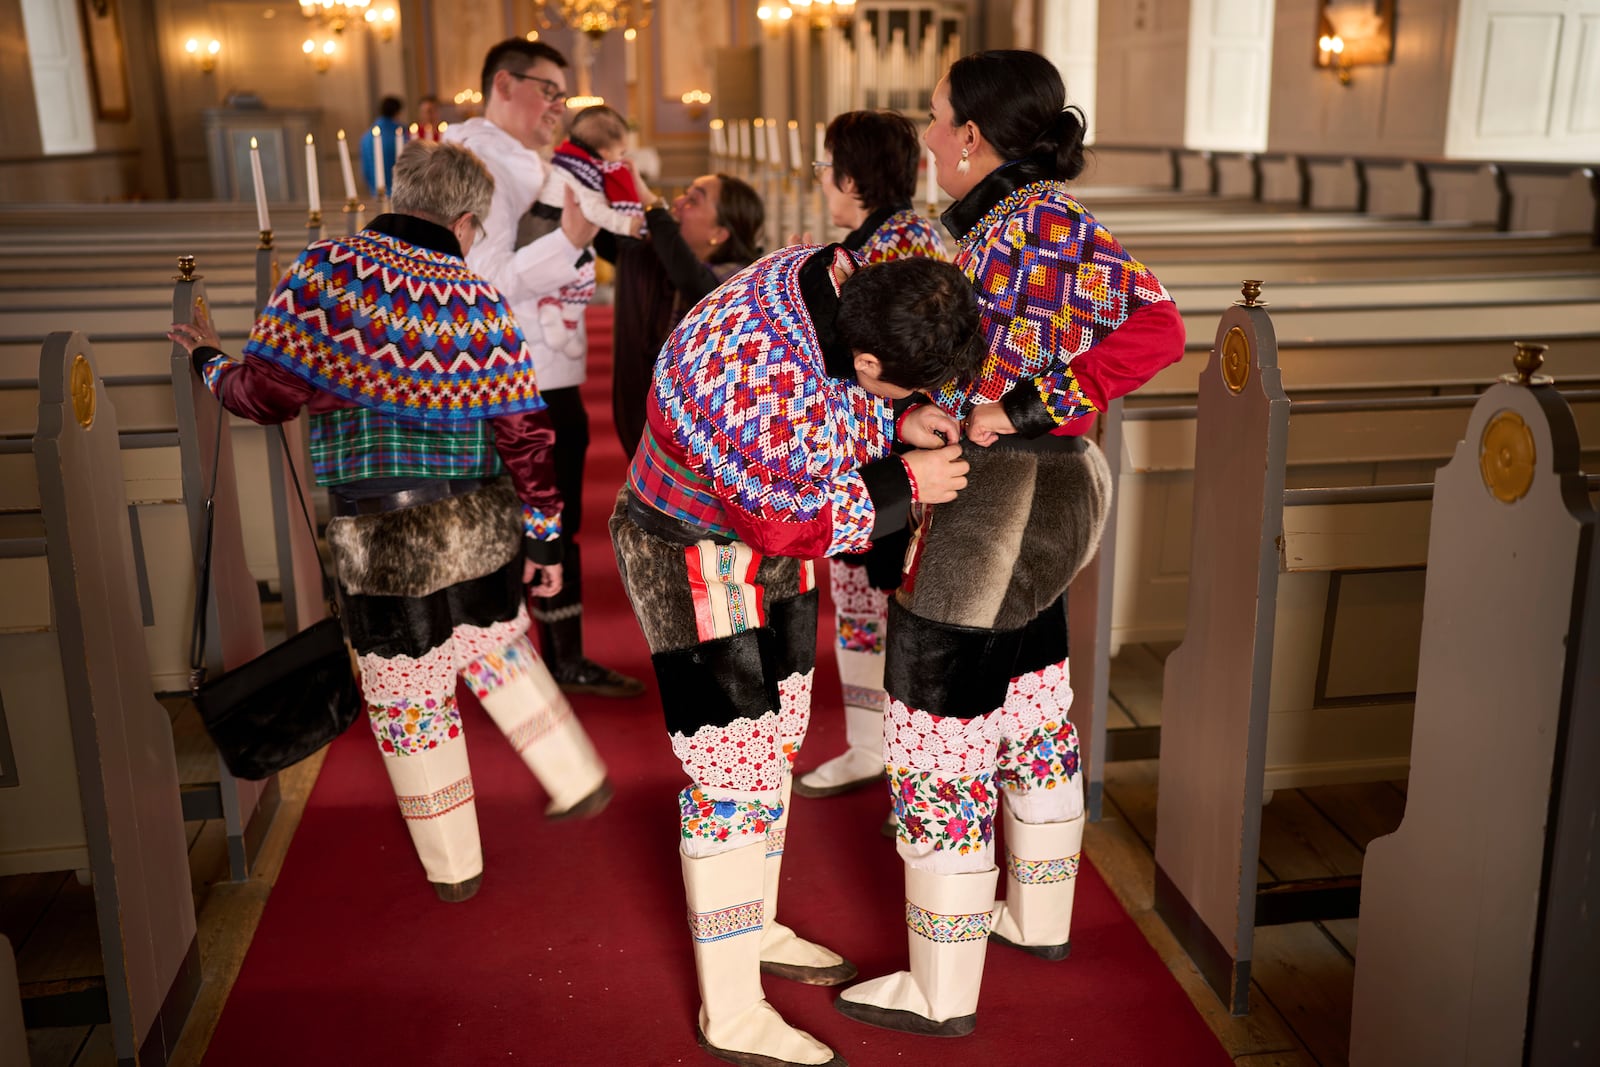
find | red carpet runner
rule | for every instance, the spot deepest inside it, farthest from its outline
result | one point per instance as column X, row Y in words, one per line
column 576, row 952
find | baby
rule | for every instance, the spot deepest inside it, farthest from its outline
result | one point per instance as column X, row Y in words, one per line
column 589, row 162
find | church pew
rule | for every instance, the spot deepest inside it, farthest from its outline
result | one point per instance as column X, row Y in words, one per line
column 92, row 777
column 1235, row 696
column 1478, row 935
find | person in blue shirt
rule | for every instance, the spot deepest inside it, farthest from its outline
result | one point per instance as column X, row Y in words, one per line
column 387, row 123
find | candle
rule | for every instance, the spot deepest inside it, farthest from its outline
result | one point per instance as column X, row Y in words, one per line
column 760, row 137
column 794, row 144
column 262, row 222
column 933, row 179
column 719, row 144
column 399, row 142
column 822, row 134
column 744, row 138
column 377, row 159
column 774, row 155
column 344, row 169
column 313, row 186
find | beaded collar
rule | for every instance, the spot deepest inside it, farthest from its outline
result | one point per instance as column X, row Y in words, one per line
column 996, row 188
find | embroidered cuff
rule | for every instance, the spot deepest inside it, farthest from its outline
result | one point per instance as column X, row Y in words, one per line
column 911, row 476
column 1026, row 410
column 888, row 483
column 209, row 363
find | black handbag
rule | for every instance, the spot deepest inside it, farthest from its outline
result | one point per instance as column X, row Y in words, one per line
column 279, row 708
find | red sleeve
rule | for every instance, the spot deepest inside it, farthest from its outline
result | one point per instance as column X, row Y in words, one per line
column 617, row 183
column 1148, row 340
column 257, row 390
column 526, row 445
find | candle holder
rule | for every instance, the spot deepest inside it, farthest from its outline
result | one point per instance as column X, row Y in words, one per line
column 265, row 241
column 353, row 206
column 313, row 220
column 186, row 270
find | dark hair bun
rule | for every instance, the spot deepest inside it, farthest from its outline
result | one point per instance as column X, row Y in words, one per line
column 1062, row 142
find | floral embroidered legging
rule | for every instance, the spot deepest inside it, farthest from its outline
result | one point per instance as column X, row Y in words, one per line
column 946, row 773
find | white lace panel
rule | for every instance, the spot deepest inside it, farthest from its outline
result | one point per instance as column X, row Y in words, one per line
column 794, row 706
column 947, row 744
column 742, row 755
column 852, row 593
column 473, row 642
column 385, row 679
column 1039, row 696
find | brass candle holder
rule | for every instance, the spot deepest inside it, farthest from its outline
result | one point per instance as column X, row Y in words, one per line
column 186, row 270
column 313, row 220
column 265, row 241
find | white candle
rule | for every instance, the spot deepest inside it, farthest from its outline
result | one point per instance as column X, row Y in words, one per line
column 933, row 179
column 262, row 222
column 744, row 138
column 794, row 145
column 719, row 144
column 822, row 136
column 313, row 186
column 774, row 153
column 760, row 136
column 399, row 142
column 377, row 158
column 344, row 169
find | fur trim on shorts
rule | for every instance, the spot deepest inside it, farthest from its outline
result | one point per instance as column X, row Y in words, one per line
column 419, row 550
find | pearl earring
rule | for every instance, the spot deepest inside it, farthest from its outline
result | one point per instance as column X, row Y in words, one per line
column 964, row 164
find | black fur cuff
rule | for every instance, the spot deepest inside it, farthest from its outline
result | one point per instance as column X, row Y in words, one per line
column 716, row 682
column 1027, row 412
column 795, row 623
column 1044, row 640
column 203, row 355
column 890, row 490
column 959, row 671
column 544, row 553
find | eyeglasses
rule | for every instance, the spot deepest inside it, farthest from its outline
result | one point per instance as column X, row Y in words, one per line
column 549, row 89
column 818, row 166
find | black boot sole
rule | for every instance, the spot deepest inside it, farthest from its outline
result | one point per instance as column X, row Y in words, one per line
column 1052, row 953
column 838, row 974
column 752, row 1059
column 589, row 806
column 456, row 892
column 906, row 1022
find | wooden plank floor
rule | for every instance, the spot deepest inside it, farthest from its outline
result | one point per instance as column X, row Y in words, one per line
column 1303, row 973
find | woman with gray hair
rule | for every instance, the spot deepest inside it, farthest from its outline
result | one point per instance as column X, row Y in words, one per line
column 429, row 431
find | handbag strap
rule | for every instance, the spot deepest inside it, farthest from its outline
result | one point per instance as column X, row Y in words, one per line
column 197, row 644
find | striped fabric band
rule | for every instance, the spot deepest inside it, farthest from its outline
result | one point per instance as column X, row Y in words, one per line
column 860, row 696
column 536, row 726
column 722, row 580
column 709, row 926
column 432, row 805
column 776, row 836
column 946, row 929
column 1043, row 872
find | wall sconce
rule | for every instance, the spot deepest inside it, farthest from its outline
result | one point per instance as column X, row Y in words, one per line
column 382, row 22
column 203, row 56
column 319, row 56
column 695, row 101
column 468, row 96
column 1354, row 33
column 775, row 17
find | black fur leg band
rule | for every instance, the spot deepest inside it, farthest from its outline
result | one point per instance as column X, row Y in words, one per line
column 948, row 670
column 1044, row 640
column 794, row 621
column 716, row 682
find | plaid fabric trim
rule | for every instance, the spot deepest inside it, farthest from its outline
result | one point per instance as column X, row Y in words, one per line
column 1043, row 872
column 440, row 802
column 673, row 489
column 353, row 444
column 946, row 929
column 709, row 926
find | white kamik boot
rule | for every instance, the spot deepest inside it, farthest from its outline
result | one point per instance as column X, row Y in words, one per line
column 1041, row 880
column 434, row 790
column 785, row 954
column 736, row 1023
column 947, row 919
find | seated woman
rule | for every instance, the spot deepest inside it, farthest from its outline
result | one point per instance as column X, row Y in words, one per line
column 868, row 181
column 420, row 405
column 710, row 234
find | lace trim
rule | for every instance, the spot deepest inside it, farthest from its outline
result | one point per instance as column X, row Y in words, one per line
column 742, row 755
column 943, row 743
column 1034, row 697
column 852, row 593
column 794, row 713
column 386, row 679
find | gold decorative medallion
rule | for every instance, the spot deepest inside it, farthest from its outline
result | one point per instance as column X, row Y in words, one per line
column 200, row 309
column 82, row 385
column 1506, row 457
column 1235, row 360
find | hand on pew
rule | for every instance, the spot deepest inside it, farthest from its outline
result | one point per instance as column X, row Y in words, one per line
column 987, row 422
column 926, row 426
column 542, row 580
column 200, row 333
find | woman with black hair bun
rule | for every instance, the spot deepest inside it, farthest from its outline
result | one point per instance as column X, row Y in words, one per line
column 868, row 181
column 976, row 667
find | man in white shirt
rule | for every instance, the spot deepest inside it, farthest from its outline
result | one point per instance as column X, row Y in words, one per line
column 525, row 93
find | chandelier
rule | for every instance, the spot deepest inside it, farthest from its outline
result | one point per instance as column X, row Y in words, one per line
column 595, row 17
column 335, row 14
